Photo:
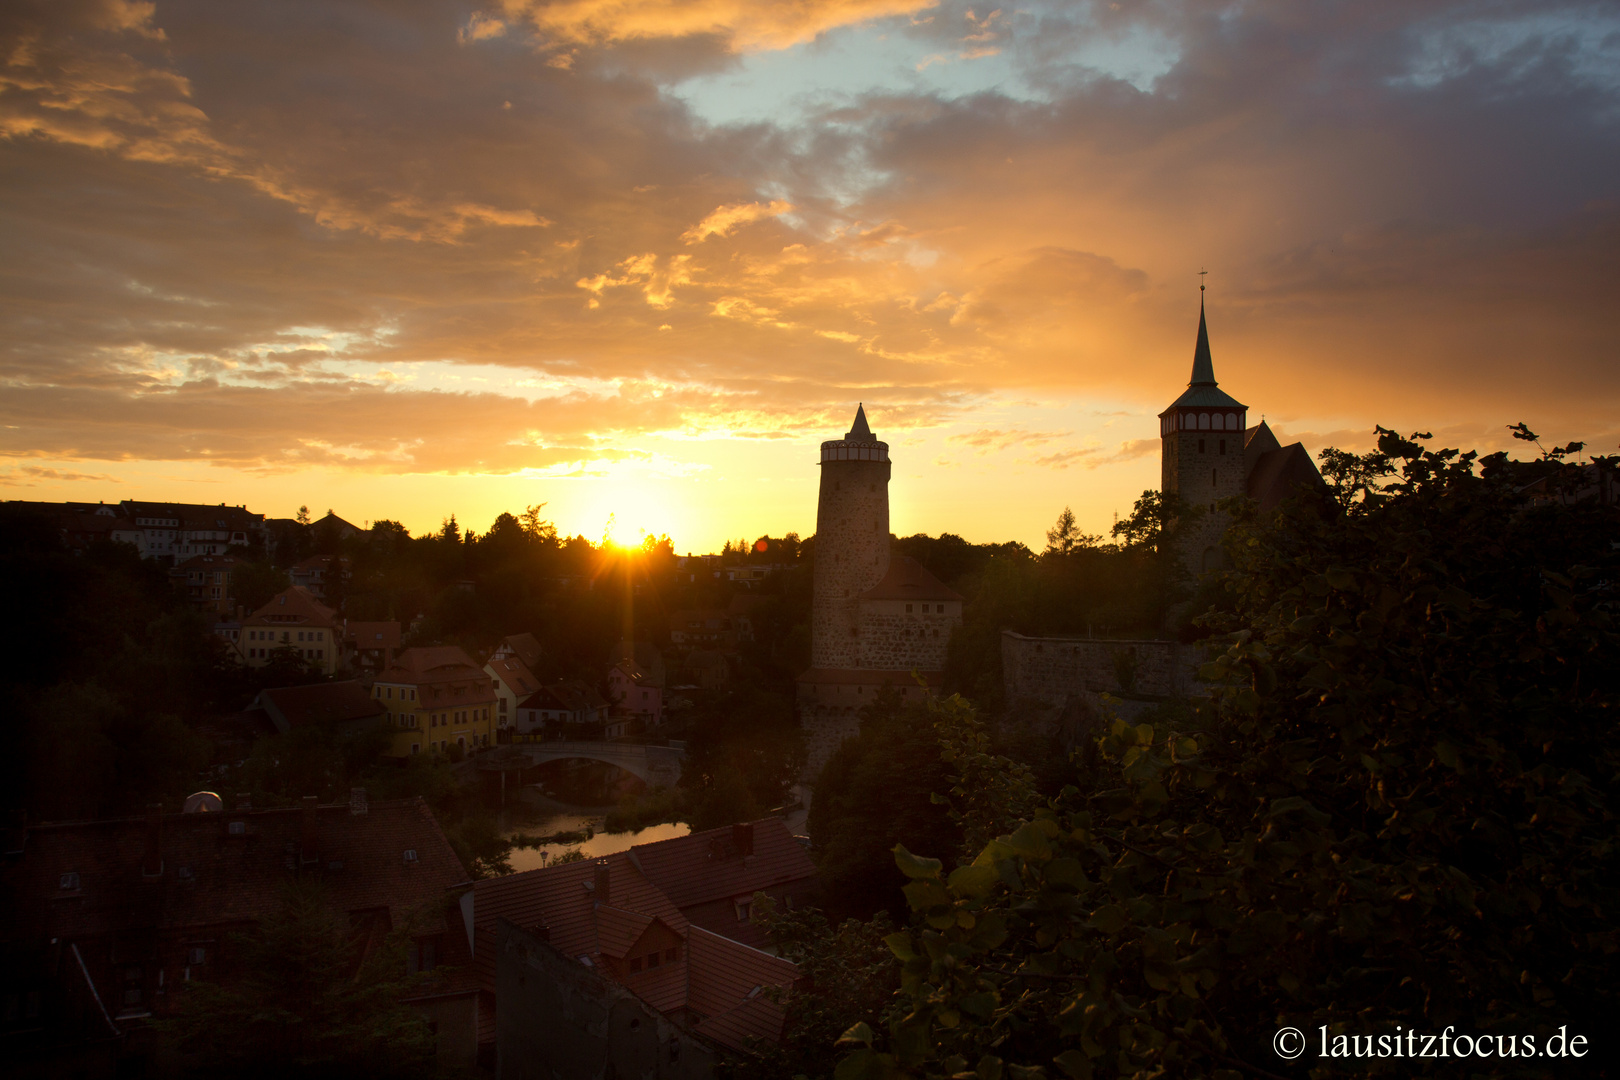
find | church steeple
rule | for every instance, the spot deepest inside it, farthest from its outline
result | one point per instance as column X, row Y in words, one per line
column 860, row 432
column 1203, row 371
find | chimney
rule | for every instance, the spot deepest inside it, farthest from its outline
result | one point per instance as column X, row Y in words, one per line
column 742, row 837
column 244, row 800
column 357, row 800
column 152, row 857
column 309, row 846
column 601, row 889
column 542, row 931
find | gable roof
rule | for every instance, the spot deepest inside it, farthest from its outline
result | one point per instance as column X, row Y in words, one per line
column 727, row 987
column 525, row 646
column 515, row 674
column 318, row 703
column 709, row 865
column 557, row 898
column 229, row 879
column 569, row 696
column 1278, row 474
column 296, row 606
column 908, row 579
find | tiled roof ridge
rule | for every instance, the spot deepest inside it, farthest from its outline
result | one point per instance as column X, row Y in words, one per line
column 743, row 945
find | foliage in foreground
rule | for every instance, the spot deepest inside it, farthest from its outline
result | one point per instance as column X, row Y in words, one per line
column 1395, row 812
column 303, row 1001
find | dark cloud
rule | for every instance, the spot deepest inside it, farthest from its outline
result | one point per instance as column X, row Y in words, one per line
column 222, row 222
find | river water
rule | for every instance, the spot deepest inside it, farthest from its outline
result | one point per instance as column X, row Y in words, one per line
column 603, row 843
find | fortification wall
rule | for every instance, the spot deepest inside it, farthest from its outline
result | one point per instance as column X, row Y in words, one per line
column 1052, row 670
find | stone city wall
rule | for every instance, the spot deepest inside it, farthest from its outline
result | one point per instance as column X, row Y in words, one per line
column 1049, row 670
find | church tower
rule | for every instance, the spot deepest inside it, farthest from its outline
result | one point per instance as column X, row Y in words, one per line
column 1202, row 441
column 852, row 541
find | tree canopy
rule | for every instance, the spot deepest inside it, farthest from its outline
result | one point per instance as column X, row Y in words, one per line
column 1394, row 811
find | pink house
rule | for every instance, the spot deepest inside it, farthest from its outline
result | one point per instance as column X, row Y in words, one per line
column 638, row 702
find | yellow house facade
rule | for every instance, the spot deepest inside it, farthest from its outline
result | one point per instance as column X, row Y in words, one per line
column 436, row 698
column 293, row 619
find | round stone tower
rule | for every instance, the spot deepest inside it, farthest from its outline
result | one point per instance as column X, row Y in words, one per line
column 852, row 541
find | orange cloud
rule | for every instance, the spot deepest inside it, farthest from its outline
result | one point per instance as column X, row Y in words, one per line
column 746, row 25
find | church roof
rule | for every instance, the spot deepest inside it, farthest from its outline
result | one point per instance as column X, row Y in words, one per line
column 1202, row 389
column 1278, row 474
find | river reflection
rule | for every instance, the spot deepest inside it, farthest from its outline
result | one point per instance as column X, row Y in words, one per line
column 603, row 843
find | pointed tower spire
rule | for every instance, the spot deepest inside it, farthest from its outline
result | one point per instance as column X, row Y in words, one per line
column 860, row 432
column 1203, row 372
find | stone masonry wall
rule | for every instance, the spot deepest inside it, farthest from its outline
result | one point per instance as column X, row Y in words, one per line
column 1195, row 468
column 893, row 639
column 852, row 555
column 1050, row 670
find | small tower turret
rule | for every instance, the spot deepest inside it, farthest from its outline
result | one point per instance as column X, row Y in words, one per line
column 852, row 541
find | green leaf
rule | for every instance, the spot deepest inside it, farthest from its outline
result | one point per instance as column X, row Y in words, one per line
column 924, row 895
column 899, row 943
column 989, row 1068
column 914, row 866
column 973, row 882
column 857, row 1035
column 865, row 1065
column 1029, row 841
column 1066, row 873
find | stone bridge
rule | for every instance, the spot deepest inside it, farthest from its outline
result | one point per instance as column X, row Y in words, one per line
column 657, row 766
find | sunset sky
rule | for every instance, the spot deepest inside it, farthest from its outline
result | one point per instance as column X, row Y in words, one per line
column 638, row 257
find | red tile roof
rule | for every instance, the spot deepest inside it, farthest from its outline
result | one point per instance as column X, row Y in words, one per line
column 907, row 579
column 727, row 989
column 443, row 667
column 322, row 703
column 293, row 607
column 212, row 877
column 708, row 865
column 719, row 978
column 515, row 674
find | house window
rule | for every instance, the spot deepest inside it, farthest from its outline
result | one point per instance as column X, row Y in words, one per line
column 745, row 909
column 196, row 955
column 68, row 881
column 132, row 987
column 908, row 609
column 1223, row 446
column 410, row 855
column 416, row 747
column 238, row 828
column 424, row 955
column 652, row 959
